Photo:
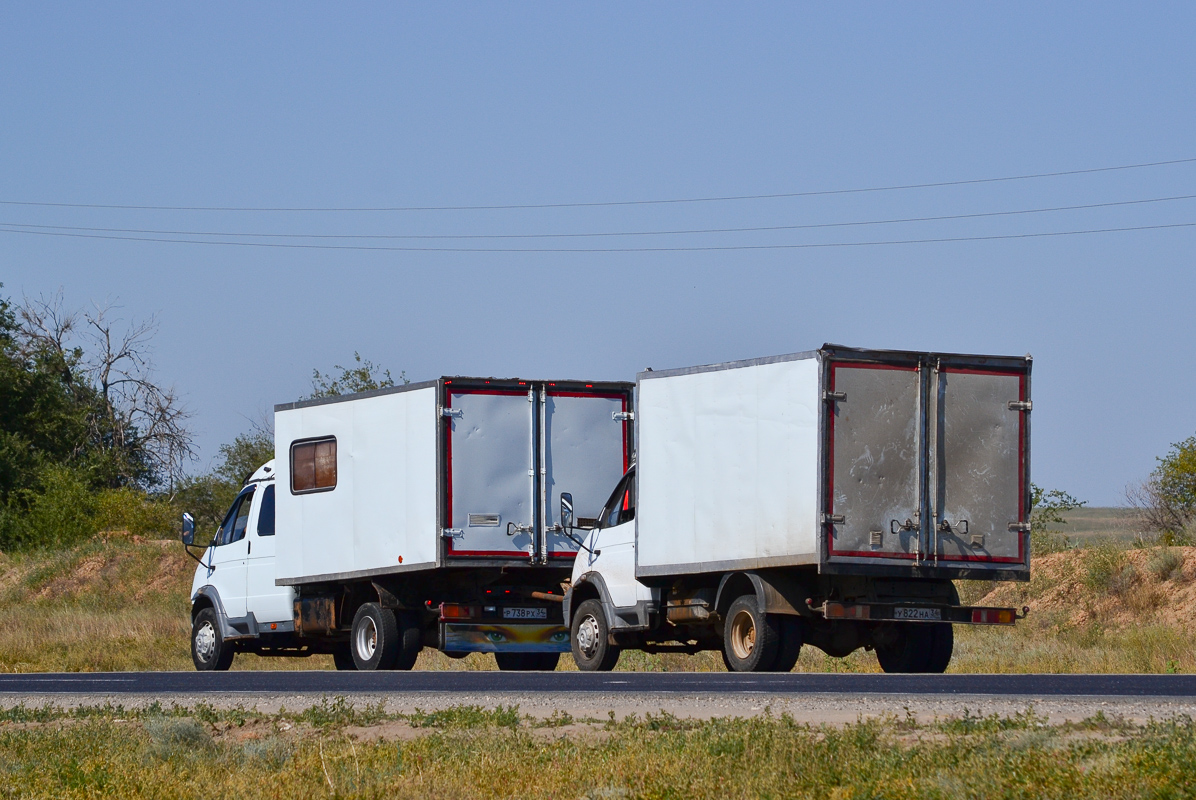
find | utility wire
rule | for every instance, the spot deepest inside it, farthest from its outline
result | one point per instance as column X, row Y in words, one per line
column 678, row 232
column 601, row 249
column 712, row 199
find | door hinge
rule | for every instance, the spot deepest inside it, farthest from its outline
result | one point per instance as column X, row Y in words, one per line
column 1020, row 405
column 455, row 413
column 835, row 397
column 622, row 416
column 452, row 533
column 833, row 519
column 1020, row 527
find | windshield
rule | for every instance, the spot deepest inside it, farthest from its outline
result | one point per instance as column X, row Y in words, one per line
column 620, row 508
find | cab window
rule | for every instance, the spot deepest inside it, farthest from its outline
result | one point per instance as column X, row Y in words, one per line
column 620, row 508
column 265, row 514
column 233, row 528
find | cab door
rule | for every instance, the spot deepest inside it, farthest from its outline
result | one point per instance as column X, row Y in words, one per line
column 229, row 553
column 267, row 602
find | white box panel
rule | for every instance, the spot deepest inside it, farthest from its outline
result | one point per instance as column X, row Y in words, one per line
column 727, row 467
column 384, row 503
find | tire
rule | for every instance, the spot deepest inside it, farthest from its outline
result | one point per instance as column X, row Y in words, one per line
column 342, row 658
column 910, row 651
column 589, row 639
column 791, row 641
column 208, row 650
column 410, row 640
column 751, row 638
column 527, row 662
column 942, row 645
column 374, row 639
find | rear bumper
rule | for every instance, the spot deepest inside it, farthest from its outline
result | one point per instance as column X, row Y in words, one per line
column 920, row 612
column 504, row 637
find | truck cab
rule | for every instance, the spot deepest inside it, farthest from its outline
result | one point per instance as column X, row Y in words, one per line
column 233, row 595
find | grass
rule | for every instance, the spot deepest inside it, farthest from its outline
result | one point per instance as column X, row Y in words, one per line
column 120, row 603
column 471, row 752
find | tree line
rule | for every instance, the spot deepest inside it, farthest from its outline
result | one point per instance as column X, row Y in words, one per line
column 91, row 439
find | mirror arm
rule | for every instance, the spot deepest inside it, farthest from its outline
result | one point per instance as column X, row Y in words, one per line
column 569, row 533
column 198, row 560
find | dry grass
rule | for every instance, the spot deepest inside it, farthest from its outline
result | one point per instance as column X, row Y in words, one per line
column 336, row 751
column 120, row 603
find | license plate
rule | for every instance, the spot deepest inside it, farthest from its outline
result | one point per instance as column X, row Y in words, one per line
column 917, row 613
column 525, row 613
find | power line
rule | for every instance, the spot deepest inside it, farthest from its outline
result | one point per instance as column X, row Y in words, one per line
column 679, row 232
column 712, row 199
column 287, row 245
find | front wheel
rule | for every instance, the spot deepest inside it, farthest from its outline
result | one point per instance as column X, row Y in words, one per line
column 589, row 639
column 208, row 650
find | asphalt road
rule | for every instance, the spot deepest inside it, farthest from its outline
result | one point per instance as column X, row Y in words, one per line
column 612, row 683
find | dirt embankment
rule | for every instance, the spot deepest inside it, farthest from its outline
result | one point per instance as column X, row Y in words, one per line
column 1109, row 585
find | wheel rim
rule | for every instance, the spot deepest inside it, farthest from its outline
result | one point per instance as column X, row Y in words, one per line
column 587, row 636
column 367, row 639
column 205, row 641
column 743, row 635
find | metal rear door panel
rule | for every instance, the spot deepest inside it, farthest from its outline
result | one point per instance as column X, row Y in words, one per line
column 926, row 463
column 873, row 423
column 585, row 452
column 489, row 459
column 977, row 451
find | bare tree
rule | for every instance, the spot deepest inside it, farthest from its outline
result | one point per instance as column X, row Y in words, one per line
column 138, row 414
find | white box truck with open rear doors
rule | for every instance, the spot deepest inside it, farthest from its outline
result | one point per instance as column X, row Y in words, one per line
column 826, row 498
column 415, row 516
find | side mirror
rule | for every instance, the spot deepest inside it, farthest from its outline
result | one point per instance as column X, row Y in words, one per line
column 188, row 529
column 566, row 511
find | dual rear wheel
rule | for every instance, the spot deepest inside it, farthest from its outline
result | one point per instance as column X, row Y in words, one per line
column 381, row 639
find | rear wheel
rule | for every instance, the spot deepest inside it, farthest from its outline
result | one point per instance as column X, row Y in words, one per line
column 208, row 651
column 374, row 640
column 342, row 658
column 410, row 640
column 924, row 648
column 751, row 638
column 527, row 662
column 589, row 639
column 791, row 642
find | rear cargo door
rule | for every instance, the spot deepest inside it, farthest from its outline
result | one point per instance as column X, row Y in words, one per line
column 976, row 464
column 585, row 450
column 874, row 433
column 490, row 487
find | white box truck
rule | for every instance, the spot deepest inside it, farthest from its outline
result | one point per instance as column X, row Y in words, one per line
column 826, row 498
column 415, row 516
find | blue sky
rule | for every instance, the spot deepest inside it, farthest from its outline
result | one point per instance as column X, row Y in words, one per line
column 304, row 105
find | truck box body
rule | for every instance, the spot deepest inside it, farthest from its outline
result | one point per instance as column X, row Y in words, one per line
column 855, row 461
column 456, row 472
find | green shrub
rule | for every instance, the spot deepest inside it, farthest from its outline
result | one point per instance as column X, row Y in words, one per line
column 1107, row 569
column 1164, row 563
column 132, row 510
column 61, row 514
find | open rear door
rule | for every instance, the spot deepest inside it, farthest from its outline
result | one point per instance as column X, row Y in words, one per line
column 926, row 461
column 489, row 457
column 511, row 447
column 586, row 449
